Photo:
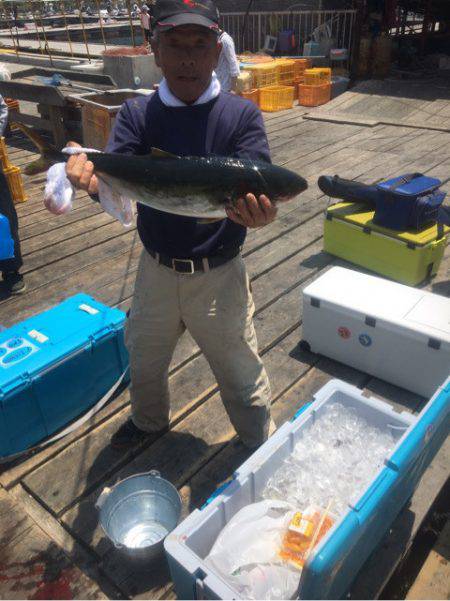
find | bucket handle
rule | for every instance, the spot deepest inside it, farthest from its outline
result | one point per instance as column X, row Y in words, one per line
column 102, row 498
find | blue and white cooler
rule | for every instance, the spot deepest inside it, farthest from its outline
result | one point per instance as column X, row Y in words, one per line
column 362, row 520
column 55, row 366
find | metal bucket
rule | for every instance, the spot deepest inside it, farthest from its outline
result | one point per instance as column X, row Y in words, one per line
column 138, row 513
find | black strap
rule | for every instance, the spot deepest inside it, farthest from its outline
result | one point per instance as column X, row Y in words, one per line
column 405, row 179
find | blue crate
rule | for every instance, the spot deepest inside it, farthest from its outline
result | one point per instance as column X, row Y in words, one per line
column 56, row 365
column 335, row 562
column 6, row 241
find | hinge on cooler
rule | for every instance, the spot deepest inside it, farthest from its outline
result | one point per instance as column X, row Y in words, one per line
column 370, row 321
column 315, row 302
column 367, row 229
column 411, row 245
column 97, row 336
column 23, row 379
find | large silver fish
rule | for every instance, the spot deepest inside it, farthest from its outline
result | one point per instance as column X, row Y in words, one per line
column 191, row 186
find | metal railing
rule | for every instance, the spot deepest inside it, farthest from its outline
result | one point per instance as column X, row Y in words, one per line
column 86, row 38
column 249, row 33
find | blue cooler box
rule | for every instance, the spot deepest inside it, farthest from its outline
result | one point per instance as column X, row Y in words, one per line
column 6, row 241
column 56, row 365
column 334, row 563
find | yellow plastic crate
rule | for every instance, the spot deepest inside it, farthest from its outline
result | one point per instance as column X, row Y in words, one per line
column 252, row 95
column 314, row 77
column 263, row 75
column 314, row 95
column 276, row 98
column 15, row 184
column 285, row 71
column 4, row 154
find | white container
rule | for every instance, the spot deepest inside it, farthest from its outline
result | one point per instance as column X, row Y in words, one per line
column 394, row 332
column 335, row 562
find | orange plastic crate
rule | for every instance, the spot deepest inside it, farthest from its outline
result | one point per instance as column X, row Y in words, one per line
column 295, row 88
column 285, row 71
column 263, row 75
column 15, row 184
column 314, row 77
column 300, row 65
column 4, row 154
column 252, row 95
column 314, row 95
column 276, row 98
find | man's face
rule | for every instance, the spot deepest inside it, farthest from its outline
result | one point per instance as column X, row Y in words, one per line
column 187, row 55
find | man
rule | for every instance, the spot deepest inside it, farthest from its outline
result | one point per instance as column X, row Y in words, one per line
column 227, row 69
column 145, row 22
column 191, row 274
column 13, row 282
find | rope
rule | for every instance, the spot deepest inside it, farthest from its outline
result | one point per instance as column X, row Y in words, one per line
column 131, row 23
column 67, row 27
column 101, row 22
column 84, row 35
column 46, row 45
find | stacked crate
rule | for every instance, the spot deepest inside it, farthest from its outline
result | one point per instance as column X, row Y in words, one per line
column 13, row 105
column 276, row 84
column 12, row 174
column 316, row 87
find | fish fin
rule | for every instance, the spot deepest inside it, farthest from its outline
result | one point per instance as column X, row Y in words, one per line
column 38, row 166
column 210, row 220
column 162, row 154
column 49, row 154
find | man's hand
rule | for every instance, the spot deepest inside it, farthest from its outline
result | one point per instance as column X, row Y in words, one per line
column 80, row 172
column 251, row 212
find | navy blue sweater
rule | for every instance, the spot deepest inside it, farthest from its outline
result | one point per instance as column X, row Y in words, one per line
column 226, row 126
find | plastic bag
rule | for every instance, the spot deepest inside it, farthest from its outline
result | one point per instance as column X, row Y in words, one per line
column 246, row 552
column 5, row 74
column 59, row 192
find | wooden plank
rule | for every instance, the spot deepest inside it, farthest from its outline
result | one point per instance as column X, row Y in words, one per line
column 381, row 564
column 434, row 577
column 341, row 118
column 32, row 567
column 41, row 234
column 13, row 520
column 33, row 93
column 31, row 120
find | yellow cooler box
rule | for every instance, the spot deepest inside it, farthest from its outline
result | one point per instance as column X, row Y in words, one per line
column 407, row 257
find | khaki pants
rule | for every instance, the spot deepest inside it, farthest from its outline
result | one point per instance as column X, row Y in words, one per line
column 216, row 307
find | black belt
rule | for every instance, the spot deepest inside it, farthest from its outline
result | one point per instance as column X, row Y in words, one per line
column 190, row 266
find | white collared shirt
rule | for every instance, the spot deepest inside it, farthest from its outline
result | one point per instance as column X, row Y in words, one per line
column 169, row 99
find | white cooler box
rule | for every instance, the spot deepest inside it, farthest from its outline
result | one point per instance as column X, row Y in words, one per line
column 391, row 331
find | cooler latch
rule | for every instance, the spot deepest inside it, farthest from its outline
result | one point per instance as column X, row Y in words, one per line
column 434, row 343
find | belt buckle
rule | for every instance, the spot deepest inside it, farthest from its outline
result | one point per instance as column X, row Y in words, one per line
column 190, row 263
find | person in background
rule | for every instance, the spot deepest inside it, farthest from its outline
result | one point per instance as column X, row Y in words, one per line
column 145, row 22
column 227, row 69
column 13, row 282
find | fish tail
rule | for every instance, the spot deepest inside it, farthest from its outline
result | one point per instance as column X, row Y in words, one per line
column 49, row 154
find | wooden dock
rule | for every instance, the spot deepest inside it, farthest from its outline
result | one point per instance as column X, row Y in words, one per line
column 51, row 545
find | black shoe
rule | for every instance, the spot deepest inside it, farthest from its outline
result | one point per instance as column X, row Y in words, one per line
column 129, row 435
column 14, row 282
